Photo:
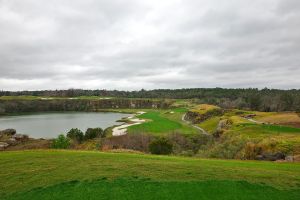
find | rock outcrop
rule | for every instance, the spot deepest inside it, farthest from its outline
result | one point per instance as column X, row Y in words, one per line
column 9, row 137
column 196, row 117
column 8, row 132
column 271, row 156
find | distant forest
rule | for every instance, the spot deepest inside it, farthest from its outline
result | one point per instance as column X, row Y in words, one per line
column 252, row 98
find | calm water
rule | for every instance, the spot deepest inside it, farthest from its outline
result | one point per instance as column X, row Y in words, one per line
column 49, row 125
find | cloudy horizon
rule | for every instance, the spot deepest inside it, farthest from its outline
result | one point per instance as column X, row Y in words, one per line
column 149, row 44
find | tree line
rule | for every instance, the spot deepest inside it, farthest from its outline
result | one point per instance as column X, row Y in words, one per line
column 249, row 98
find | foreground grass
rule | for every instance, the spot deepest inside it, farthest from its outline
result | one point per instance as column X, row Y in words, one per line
column 147, row 189
column 36, row 173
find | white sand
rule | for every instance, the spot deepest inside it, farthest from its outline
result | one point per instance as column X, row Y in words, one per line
column 122, row 129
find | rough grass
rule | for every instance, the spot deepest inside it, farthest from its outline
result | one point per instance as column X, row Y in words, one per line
column 271, row 138
column 204, row 108
column 263, row 138
column 239, row 120
column 210, row 125
column 279, row 118
column 254, row 130
column 18, row 97
column 94, row 175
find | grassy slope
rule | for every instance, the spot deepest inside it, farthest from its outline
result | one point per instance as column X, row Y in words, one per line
column 204, row 108
column 94, row 175
column 210, row 125
column 270, row 137
column 144, row 189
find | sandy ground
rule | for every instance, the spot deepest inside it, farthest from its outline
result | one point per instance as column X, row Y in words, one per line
column 122, row 129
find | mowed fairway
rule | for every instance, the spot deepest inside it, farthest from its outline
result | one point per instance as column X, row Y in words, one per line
column 95, row 175
column 162, row 122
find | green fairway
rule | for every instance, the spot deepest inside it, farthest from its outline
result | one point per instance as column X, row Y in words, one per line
column 163, row 122
column 95, row 175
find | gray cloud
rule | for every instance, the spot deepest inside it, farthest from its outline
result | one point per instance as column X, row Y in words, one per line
column 116, row 44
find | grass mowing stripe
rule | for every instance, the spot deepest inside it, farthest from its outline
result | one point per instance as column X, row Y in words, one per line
column 120, row 189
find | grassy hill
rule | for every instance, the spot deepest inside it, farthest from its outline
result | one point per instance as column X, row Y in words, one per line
column 247, row 134
column 95, row 175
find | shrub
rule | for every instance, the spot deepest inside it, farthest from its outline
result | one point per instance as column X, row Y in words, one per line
column 161, row 146
column 76, row 135
column 61, row 142
column 188, row 143
column 92, row 133
column 137, row 142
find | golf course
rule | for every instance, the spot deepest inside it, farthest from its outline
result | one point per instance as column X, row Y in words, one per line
column 147, row 149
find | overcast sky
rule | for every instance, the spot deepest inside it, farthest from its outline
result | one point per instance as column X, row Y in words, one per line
column 134, row 44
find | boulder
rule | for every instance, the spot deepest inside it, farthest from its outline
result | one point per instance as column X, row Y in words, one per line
column 271, row 156
column 20, row 137
column 12, row 141
column 8, row 132
column 289, row 158
column 3, row 145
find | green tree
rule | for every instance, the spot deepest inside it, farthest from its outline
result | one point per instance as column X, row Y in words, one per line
column 76, row 135
column 161, row 146
column 92, row 133
column 254, row 102
column 61, row 142
column 287, row 101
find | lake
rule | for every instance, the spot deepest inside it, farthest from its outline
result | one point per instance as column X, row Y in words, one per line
column 49, row 125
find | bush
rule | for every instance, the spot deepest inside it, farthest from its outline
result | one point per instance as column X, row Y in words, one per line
column 161, row 146
column 137, row 142
column 76, row 135
column 92, row 133
column 61, row 142
column 188, row 143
